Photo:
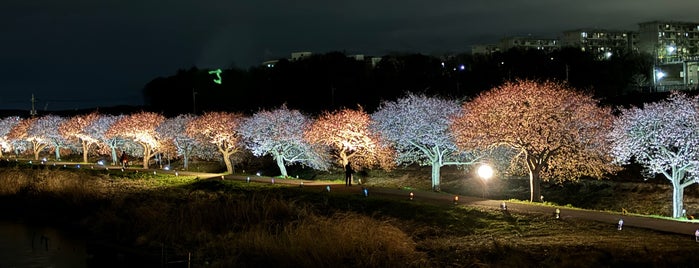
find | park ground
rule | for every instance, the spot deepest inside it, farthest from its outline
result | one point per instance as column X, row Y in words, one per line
column 223, row 223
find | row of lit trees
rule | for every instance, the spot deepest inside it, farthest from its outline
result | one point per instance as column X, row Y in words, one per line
column 546, row 129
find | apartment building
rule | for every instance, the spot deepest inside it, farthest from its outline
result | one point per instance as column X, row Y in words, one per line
column 675, row 48
column 602, row 43
column 529, row 42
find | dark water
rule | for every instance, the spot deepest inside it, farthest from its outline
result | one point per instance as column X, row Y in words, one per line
column 23, row 245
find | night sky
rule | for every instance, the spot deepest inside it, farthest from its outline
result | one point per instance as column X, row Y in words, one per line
column 75, row 54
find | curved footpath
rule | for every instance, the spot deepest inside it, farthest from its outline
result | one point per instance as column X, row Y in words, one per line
column 663, row 225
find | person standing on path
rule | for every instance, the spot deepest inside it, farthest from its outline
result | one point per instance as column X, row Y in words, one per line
column 348, row 174
column 123, row 159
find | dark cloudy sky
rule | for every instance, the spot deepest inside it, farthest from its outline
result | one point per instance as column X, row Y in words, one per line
column 87, row 53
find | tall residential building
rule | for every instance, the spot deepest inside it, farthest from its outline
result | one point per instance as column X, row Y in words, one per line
column 528, row 42
column 675, row 47
column 600, row 42
column 485, row 49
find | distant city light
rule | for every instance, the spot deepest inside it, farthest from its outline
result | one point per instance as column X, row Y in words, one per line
column 659, row 74
column 671, row 49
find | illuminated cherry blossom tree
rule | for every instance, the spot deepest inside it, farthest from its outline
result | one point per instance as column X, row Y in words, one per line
column 6, row 124
column 279, row 133
column 557, row 130
column 21, row 132
column 664, row 138
column 46, row 128
column 175, row 130
column 77, row 129
column 346, row 136
column 107, row 144
column 418, row 128
column 221, row 130
column 139, row 128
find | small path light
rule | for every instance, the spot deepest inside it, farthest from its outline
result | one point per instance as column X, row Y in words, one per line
column 503, row 206
column 247, row 180
column 301, row 184
column 696, row 235
column 366, row 191
column 154, row 173
column 412, row 195
column 272, row 180
column 327, row 188
column 222, row 177
column 176, row 174
column 558, row 213
column 620, row 224
column 456, row 199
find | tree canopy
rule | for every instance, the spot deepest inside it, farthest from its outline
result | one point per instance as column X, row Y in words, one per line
column 417, row 127
column 664, row 138
column 558, row 131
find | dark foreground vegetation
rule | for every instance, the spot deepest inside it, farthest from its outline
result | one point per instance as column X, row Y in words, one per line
column 216, row 223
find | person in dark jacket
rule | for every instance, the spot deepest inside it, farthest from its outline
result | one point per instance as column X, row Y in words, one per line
column 123, row 159
column 348, row 174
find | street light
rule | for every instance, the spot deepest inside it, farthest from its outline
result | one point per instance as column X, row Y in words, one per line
column 485, row 172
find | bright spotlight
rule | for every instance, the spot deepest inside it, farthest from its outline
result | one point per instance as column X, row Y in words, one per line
column 485, row 172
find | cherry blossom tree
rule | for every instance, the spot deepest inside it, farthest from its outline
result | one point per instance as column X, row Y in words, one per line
column 664, row 138
column 418, row 128
column 46, row 128
column 139, row 128
column 175, row 130
column 221, row 130
column 77, row 129
column 346, row 136
column 6, row 124
column 20, row 131
column 106, row 144
column 279, row 133
column 556, row 130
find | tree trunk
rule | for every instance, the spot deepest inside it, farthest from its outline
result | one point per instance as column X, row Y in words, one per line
column 227, row 160
column 677, row 196
column 185, row 156
column 280, row 164
column 435, row 176
column 57, row 153
column 146, row 155
column 534, row 179
column 114, row 155
column 86, row 148
column 535, row 186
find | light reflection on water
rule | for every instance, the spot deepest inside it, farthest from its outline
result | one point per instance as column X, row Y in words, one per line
column 23, row 245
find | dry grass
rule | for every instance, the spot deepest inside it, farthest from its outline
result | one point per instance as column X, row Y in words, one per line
column 230, row 224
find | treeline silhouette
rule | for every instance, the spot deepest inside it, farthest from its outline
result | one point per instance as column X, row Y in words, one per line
column 329, row 81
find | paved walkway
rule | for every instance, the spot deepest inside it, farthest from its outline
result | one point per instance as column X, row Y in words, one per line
column 612, row 218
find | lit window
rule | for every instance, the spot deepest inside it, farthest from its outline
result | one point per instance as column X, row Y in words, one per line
column 584, row 34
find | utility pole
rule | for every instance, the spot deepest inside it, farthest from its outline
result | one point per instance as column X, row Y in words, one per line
column 33, row 111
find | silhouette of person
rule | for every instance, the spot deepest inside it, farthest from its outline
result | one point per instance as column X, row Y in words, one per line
column 123, row 159
column 348, row 174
